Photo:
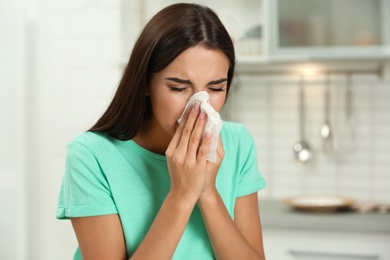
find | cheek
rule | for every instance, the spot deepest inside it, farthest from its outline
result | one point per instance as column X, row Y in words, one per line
column 217, row 101
column 177, row 109
column 172, row 109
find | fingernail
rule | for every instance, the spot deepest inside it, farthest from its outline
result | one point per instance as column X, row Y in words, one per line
column 207, row 135
column 202, row 115
column 197, row 106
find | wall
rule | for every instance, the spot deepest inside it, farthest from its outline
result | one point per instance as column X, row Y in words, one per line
column 75, row 55
column 359, row 166
column 80, row 73
column 74, row 64
column 12, row 137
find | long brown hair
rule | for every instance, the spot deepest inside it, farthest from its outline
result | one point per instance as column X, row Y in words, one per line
column 170, row 32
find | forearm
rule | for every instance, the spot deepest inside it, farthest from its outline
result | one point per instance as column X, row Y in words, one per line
column 166, row 231
column 225, row 237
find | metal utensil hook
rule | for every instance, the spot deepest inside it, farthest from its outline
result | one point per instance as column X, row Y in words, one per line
column 302, row 151
column 326, row 129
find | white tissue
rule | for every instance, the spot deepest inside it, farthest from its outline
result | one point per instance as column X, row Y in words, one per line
column 213, row 122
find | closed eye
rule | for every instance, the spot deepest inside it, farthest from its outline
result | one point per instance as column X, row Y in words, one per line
column 217, row 89
column 178, row 89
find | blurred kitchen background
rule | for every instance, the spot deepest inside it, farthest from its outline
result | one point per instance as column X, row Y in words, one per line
column 60, row 63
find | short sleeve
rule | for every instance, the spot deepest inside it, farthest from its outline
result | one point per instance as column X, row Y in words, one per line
column 85, row 190
column 250, row 179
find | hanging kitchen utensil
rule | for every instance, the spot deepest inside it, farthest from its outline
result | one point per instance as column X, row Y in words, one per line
column 326, row 131
column 347, row 130
column 302, row 150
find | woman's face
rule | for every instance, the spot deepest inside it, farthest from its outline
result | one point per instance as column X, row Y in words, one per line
column 194, row 70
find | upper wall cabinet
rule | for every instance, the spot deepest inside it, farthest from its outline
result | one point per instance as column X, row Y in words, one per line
column 272, row 31
column 329, row 29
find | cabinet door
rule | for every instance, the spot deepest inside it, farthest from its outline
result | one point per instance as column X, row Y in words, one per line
column 320, row 255
column 294, row 244
column 330, row 28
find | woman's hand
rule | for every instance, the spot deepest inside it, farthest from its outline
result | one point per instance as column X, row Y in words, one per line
column 186, row 155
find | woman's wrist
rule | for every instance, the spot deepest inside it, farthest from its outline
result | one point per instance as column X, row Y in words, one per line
column 209, row 197
column 184, row 201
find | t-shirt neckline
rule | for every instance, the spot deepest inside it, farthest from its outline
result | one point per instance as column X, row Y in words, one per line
column 136, row 147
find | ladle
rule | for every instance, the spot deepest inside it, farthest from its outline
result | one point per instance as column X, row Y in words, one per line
column 326, row 131
column 302, row 150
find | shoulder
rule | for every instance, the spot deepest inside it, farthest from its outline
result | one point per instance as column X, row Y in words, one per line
column 92, row 141
column 232, row 131
column 93, row 150
column 236, row 138
column 90, row 138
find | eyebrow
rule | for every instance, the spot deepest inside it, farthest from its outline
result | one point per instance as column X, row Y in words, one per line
column 186, row 81
column 177, row 80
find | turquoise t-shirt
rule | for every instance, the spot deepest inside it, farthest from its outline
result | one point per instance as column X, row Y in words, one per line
column 104, row 175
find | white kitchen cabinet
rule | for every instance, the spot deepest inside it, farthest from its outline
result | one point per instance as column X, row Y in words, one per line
column 329, row 29
column 272, row 31
column 303, row 244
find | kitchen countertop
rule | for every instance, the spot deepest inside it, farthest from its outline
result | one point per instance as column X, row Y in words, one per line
column 275, row 214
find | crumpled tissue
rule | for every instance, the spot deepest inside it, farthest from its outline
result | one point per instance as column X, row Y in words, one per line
column 213, row 122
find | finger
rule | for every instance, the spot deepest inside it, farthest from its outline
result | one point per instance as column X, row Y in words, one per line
column 196, row 136
column 204, row 147
column 185, row 115
column 188, row 128
column 176, row 137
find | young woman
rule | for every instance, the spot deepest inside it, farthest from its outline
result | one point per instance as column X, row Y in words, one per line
column 137, row 185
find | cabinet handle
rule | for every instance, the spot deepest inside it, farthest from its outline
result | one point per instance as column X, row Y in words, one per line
column 333, row 255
